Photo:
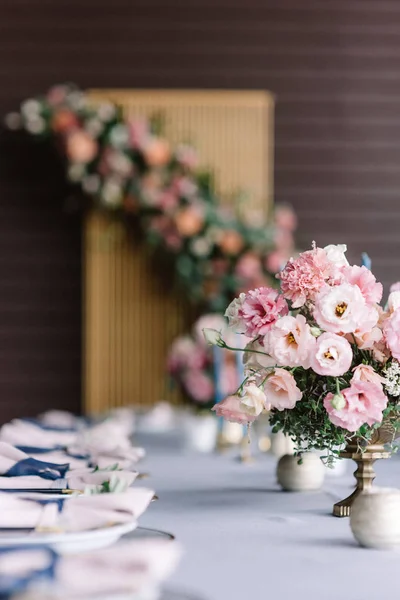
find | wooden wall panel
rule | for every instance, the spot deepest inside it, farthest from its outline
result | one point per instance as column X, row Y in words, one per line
column 131, row 317
column 334, row 67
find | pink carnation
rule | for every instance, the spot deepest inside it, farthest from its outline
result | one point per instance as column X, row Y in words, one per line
column 303, row 278
column 364, row 403
column 198, row 385
column 260, row 309
column 392, row 333
column 231, row 410
column 371, row 289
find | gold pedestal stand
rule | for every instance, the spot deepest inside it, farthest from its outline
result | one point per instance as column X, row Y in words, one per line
column 364, row 473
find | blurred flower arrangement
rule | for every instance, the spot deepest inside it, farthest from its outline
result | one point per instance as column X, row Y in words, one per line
column 194, row 367
column 127, row 168
column 323, row 356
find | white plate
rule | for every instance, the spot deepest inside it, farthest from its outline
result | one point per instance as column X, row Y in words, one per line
column 68, row 543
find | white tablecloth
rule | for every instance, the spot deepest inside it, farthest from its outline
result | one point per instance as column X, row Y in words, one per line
column 244, row 539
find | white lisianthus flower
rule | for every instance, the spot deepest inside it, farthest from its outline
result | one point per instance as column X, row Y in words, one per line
column 255, row 356
column 213, row 337
column 253, row 400
column 336, row 254
column 234, row 316
column 342, row 309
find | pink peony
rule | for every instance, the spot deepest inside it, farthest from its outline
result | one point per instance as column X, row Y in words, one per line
column 231, row 410
column 342, row 309
column 367, row 373
column 281, row 390
column 333, row 355
column 259, row 309
column 392, row 333
column 302, row 279
column 364, row 403
column 198, row 385
column 80, row 147
column 365, row 280
column 290, row 342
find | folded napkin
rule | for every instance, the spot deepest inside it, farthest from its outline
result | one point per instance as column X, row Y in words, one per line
column 27, row 482
column 15, row 463
column 132, row 566
column 91, row 481
column 61, row 419
column 77, row 513
column 20, row 568
column 27, row 433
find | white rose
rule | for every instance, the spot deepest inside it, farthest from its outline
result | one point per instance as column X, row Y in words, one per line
column 336, row 254
column 394, row 301
column 253, row 401
column 233, row 314
column 213, row 337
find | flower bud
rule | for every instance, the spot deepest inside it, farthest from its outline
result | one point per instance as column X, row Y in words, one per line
column 338, row 402
column 315, row 331
column 213, row 337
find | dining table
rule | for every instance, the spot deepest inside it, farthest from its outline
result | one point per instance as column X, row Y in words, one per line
column 244, row 538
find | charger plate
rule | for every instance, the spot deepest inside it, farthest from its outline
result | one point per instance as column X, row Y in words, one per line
column 67, row 542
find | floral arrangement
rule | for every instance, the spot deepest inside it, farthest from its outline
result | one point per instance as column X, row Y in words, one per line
column 127, row 168
column 197, row 371
column 323, row 356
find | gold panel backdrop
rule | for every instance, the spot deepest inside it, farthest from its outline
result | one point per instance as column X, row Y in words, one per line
column 130, row 315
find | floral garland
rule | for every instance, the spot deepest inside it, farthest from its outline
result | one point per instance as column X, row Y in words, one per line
column 129, row 170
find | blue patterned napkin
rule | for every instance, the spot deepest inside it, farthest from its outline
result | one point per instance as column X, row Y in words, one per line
column 31, row 466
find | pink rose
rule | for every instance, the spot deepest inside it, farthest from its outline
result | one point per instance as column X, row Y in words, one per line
column 364, row 403
column 198, row 385
column 392, row 333
column 367, row 373
column 231, row 410
column 81, row 147
column 156, row 151
column 303, row 278
column 260, row 309
column 333, row 355
column 281, row 390
column 290, row 342
column 365, row 280
column 342, row 309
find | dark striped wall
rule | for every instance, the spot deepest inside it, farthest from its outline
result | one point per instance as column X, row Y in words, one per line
column 334, row 66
